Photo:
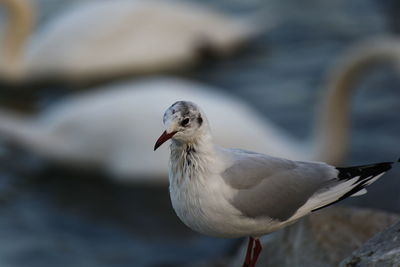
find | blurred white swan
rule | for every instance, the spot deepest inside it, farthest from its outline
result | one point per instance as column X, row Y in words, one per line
column 103, row 39
column 114, row 128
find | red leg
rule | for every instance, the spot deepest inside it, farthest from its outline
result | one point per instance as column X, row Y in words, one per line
column 256, row 253
column 247, row 261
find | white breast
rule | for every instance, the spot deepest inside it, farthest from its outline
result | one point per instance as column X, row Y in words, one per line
column 201, row 208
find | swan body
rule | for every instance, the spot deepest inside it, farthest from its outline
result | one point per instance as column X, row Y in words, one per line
column 103, row 39
column 113, row 127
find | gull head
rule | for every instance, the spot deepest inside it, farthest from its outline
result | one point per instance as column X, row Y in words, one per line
column 184, row 121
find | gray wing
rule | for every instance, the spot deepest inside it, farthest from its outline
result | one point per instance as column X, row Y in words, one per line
column 274, row 187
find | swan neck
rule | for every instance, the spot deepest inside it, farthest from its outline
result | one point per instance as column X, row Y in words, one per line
column 18, row 28
column 332, row 127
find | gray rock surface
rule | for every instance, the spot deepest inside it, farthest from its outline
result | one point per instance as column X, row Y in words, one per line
column 324, row 238
column 382, row 250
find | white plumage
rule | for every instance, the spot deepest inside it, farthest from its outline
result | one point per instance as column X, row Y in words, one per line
column 112, row 128
column 104, row 39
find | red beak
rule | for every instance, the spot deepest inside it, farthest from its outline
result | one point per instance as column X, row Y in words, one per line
column 164, row 137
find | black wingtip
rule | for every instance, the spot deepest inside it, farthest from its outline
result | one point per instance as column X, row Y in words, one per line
column 365, row 173
column 398, row 160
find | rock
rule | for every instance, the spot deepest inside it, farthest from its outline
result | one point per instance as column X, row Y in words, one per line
column 381, row 250
column 324, row 238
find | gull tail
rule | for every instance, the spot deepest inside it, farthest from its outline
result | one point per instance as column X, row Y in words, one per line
column 352, row 182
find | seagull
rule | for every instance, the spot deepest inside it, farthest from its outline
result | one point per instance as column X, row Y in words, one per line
column 233, row 193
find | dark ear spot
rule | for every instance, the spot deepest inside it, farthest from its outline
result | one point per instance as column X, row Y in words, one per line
column 200, row 120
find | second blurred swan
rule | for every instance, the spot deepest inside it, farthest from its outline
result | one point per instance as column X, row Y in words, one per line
column 103, row 39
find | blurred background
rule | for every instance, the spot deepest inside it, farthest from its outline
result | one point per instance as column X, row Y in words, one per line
column 74, row 121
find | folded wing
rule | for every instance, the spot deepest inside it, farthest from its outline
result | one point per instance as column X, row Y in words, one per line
column 283, row 190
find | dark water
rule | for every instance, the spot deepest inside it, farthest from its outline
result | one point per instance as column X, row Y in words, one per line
column 52, row 216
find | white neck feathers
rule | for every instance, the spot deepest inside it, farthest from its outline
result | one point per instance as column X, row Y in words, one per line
column 188, row 159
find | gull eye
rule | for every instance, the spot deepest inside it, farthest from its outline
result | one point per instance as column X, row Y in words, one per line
column 185, row 122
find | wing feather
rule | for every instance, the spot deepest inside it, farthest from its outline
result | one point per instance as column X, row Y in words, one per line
column 283, row 190
column 273, row 187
